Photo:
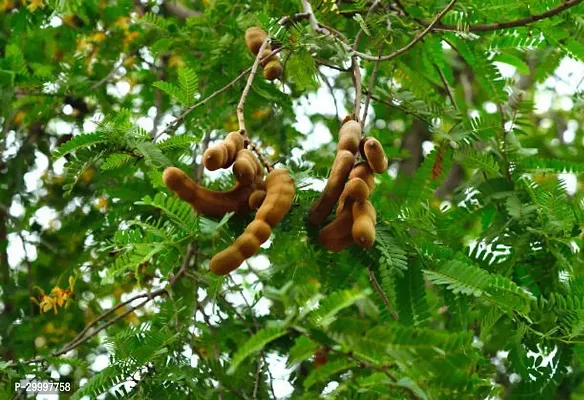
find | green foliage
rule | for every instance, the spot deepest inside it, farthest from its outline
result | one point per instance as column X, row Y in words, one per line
column 473, row 289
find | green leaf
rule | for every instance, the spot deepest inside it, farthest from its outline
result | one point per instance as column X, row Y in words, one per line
column 326, row 371
column 255, row 344
column 326, row 313
column 79, row 142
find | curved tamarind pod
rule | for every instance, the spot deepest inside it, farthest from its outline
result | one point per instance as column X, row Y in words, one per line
column 334, row 187
column 357, row 189
column 265, row 53
column 363, row 230
column 256, row 199
column 244, row 168
column 373, row 152
column 336, row 236
column 279, row 197
column 234, row 143
column 254, row 38
column 205, row 201
column 223, row 154
column 226, row 261
column 273, row 70
column 350, row 136
column 215, row 157
column 260, row 229
column 247, row 243
column 363, row 171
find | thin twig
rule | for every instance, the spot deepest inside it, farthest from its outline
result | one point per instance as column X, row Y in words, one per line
column 256, row 383
column 381, row 293
column 258, row 151
column 510, row 24
column 356, row 77
column 111, row 73
column 331, row 90
column 175, row 124
column 371, row 87
column 241, row 104
column 446, row 85
column 418, row 37
column 83, row 336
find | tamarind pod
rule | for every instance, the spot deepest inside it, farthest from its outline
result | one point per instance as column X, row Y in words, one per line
column 254, row 38
column 357, row 189
column 350, row 136
column 260, row 229
column 260, row 183
column 363, row 230
column 234, row 143
column 336, row 236
column 334, row 187
column 363, row 170
column 267, row 51
column 259, row 169
column 205, row 201
column 215, row 157
column 273, row 70
column 373, row 152
column 279, row 196
column 226, row 261
column 256, row 199
column 244, row 168
column 247, row 244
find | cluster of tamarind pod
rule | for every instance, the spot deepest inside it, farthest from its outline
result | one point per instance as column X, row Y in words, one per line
column 254, row 38
column 271, row 197
column 349, row 185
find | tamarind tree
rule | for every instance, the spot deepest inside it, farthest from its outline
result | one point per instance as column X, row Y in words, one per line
column 223, row 199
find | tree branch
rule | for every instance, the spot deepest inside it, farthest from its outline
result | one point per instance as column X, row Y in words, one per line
column 510, row 24
column 371, row 87
column 175, row 124
column 84, row 336
column 418, row 37
column 381, row 293
column 241, row 104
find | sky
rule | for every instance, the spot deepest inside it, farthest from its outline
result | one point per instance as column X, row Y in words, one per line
column 568, row 79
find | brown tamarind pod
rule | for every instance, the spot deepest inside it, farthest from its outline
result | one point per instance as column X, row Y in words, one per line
column 234, row 143
column 336, row 236
column 273, row 70
column 256, row 199
column 279, row 197
column 334, row 187
column 223, row 154
column 254, row 38
column 362, row 171
column 226, row 261
column 350, row 136
column 247, row 243
column 363, row 230
column 244, row 168
column 259, row 229
column 265, row 56
column 205, row 201
column 357, row 189
column 373, row 152
column 215, row 157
